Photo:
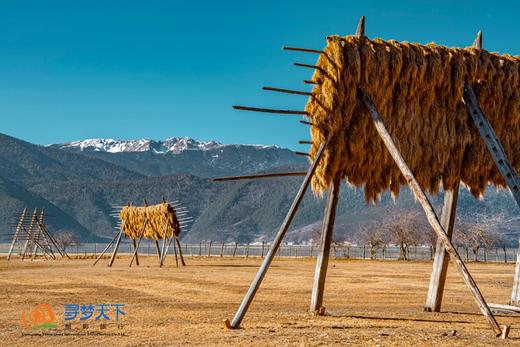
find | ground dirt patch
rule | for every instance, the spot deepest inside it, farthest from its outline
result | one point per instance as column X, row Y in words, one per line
column 368, row 302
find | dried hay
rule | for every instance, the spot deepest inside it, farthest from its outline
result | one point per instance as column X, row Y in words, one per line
column 418, row 91
column 162, row 221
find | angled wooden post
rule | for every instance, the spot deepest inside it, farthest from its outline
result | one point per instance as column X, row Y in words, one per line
column 116, row 247
column 136, row 247
column 327, row 230
column 515, row 295
column 17, row 233
column 158, row 249
column 430, row 213
column 180, row 250
column 106, row 248
column 28, row 232
column 248, row 298
column 38, row 234
column 442, row 259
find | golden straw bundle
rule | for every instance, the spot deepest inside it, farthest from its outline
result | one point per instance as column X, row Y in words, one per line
column 161, row 221
column 418, row 91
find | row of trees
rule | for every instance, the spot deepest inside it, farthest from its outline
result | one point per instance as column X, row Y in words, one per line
column 408, row 229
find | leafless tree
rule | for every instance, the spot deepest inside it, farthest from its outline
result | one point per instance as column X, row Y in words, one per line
column 406, row 229
column 477, row 231
column 373, row 237
column 66, row 239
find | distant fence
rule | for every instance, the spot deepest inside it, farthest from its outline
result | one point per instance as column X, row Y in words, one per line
column 219, row 249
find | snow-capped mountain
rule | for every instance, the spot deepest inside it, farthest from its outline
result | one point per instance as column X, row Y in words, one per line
column 171, row 145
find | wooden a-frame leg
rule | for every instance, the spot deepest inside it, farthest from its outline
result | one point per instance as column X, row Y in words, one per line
column 106, row 248
column 430, row 213
column 515, row 295
column 180, row 251
column 175, row 252
column 116, row 247
column 322, row 261
column 442, row 259
column 136, row 248
column 28, row 233
column 248, row 298
column 158, row 249
column 17, row 233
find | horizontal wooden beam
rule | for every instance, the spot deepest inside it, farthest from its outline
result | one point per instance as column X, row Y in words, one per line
column 309, row 66
column 307, row 50
column 269, row 175
column 310, row 82
column 303, row 154
column 306, row 123
column 288, row 91
column 302, row 142
column 269, row 110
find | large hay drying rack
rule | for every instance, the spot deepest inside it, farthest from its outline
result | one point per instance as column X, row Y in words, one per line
column 442, row 226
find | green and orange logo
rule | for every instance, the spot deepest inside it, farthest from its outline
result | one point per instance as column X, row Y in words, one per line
column 40, row 318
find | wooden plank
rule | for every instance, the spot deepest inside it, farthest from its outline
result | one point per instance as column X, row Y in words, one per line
column 248, row 298
column 430, row 213
column 17, row 233
column 442, row 259
column 322, row 261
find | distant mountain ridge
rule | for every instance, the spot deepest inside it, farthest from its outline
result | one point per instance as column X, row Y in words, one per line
column 79, row 187
column 180, row 155
column 173, row 145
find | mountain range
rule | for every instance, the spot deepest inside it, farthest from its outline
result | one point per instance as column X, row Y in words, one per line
column 78, row 183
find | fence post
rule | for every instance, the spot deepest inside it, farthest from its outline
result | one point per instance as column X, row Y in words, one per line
column 209, row 249
column 95, row 249
column 222, row 250
column 363, row 251
column 200, row 248
column 235, row 249
column 263, row 245
column 247, row 250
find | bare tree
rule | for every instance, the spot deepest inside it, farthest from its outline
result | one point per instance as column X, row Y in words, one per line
column 375, row 238
column 405, row 231
column 477, row 231
column 66, row 239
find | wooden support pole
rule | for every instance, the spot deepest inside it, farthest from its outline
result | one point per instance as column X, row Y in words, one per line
column 175, row 252
column 38, row 234
column 515, row 295
column 104, row 250
column 248, row 298
column 442, row 259
column 136, row 247
column 29, row 235
column 306, row 123
column 158, row 249
column 17, row 233
column 430, row 213
column 327, row 230
column 116, row 247
column 180, row 250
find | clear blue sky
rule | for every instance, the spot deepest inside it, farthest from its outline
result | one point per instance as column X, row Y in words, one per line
column 155, row 69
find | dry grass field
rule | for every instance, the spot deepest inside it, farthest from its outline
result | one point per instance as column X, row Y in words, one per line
column 368, row 303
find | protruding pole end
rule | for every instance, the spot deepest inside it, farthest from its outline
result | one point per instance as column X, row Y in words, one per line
column 228, row 325
column 478, row 41
column 360, row 31
column 505, row 331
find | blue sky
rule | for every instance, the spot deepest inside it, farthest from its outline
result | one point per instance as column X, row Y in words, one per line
column 155, row 69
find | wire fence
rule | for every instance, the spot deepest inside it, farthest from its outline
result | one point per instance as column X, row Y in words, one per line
column 337, row 251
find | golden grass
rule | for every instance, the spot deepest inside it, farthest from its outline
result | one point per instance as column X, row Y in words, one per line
column 418, row 92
